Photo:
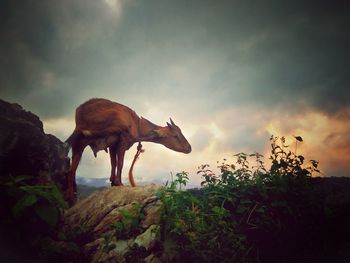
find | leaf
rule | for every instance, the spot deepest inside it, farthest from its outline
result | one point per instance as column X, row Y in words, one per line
column 58, row 197
column 260, row 210
column 245, row 202
column 47, row 213
column 314, row 163
column 23, row 203
column 241, row 210
column 21, row 178
column 158, row 194
column 298, row 138
column 219, row 211
column 109, row 248
column 301, row 158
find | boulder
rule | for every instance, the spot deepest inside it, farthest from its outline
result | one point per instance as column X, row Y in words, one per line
column 103, row 218
column 25, row 149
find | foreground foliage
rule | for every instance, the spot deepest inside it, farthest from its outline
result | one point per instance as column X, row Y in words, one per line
column 245, row 213
column 250, row 214
column 30, row 215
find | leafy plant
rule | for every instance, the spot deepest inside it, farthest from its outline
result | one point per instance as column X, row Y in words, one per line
column 241, row 213
column 129, row 222
column 44, row 200
column 136, row 254
column 108, row 244
column 30, row 213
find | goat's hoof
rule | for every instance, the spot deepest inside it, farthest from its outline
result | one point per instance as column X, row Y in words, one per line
column 117, row 184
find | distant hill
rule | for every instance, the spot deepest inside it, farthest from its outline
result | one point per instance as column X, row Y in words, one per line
column 86, row 190
column 104, row 182
column 93, row 182
column 86, row 186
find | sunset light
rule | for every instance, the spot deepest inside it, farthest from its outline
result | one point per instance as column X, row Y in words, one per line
column 174, row 131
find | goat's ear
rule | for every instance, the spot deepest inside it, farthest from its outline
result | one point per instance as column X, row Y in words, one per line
column 158, row 133
column 172, row 125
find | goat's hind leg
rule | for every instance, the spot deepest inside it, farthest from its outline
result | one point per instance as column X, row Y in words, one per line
column 118, row 179
column 113, row 157
column 77, row 151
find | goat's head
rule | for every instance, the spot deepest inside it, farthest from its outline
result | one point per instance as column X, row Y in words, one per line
column 172, row 138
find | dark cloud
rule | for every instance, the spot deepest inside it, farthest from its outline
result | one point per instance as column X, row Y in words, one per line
column 202, row 55
column 286, row 54
column 49, row 50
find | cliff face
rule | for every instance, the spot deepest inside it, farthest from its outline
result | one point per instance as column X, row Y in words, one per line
column 26, row 150
column 115, row 223
column 112, row 225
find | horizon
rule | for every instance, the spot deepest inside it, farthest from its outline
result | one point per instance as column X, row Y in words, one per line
column 229, row 74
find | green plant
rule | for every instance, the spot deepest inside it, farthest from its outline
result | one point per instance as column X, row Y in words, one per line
column 129, row 222
column 238, row 211
column 127, row 225
column 136, row 254
column 30, row 213
column 194, row 227
column 181, row 179
column 108, row 244
column 22, row 198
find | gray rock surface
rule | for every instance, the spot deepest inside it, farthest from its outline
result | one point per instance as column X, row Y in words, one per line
column 25, row 149
column 95, row 215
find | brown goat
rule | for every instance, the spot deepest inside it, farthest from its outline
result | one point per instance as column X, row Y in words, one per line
column 102, row 124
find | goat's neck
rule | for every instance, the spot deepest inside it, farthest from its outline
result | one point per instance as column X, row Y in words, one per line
column 146, row 129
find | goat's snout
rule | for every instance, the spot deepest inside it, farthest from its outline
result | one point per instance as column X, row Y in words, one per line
column 188, row 149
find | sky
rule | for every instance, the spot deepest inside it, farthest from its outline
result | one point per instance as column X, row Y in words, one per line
column 229, row 73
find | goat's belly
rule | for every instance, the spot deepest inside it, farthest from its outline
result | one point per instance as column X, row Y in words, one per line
column 99, row 144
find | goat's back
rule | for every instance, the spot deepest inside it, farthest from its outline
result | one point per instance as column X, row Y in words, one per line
column 102, row 116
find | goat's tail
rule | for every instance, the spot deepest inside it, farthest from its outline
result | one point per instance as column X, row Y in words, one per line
column 72, row 139
column 131, row 176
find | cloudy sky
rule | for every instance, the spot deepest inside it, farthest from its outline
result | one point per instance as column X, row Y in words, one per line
column 229, row 73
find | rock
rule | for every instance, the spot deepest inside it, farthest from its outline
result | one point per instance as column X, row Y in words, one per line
column 147, row 238
column 122, row 246
column 102, row 243
column 152, row 214
column 102, row 206
column 96, row 251
column 26, row 150
column 152, row 259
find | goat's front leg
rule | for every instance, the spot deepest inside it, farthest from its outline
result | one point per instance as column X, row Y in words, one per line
column 113, row 156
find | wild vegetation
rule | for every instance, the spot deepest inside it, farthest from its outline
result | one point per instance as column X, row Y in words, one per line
column 245, row 213
column 248, row 213
column 30, row 216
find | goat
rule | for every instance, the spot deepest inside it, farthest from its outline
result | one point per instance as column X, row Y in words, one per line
column 102, row 124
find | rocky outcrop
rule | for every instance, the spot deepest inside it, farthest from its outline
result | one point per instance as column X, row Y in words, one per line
column 116, row 223
column 25, row 149
column 111, row 225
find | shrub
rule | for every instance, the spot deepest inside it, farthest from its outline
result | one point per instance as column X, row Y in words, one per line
column 247, row 213
column 29, row 214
